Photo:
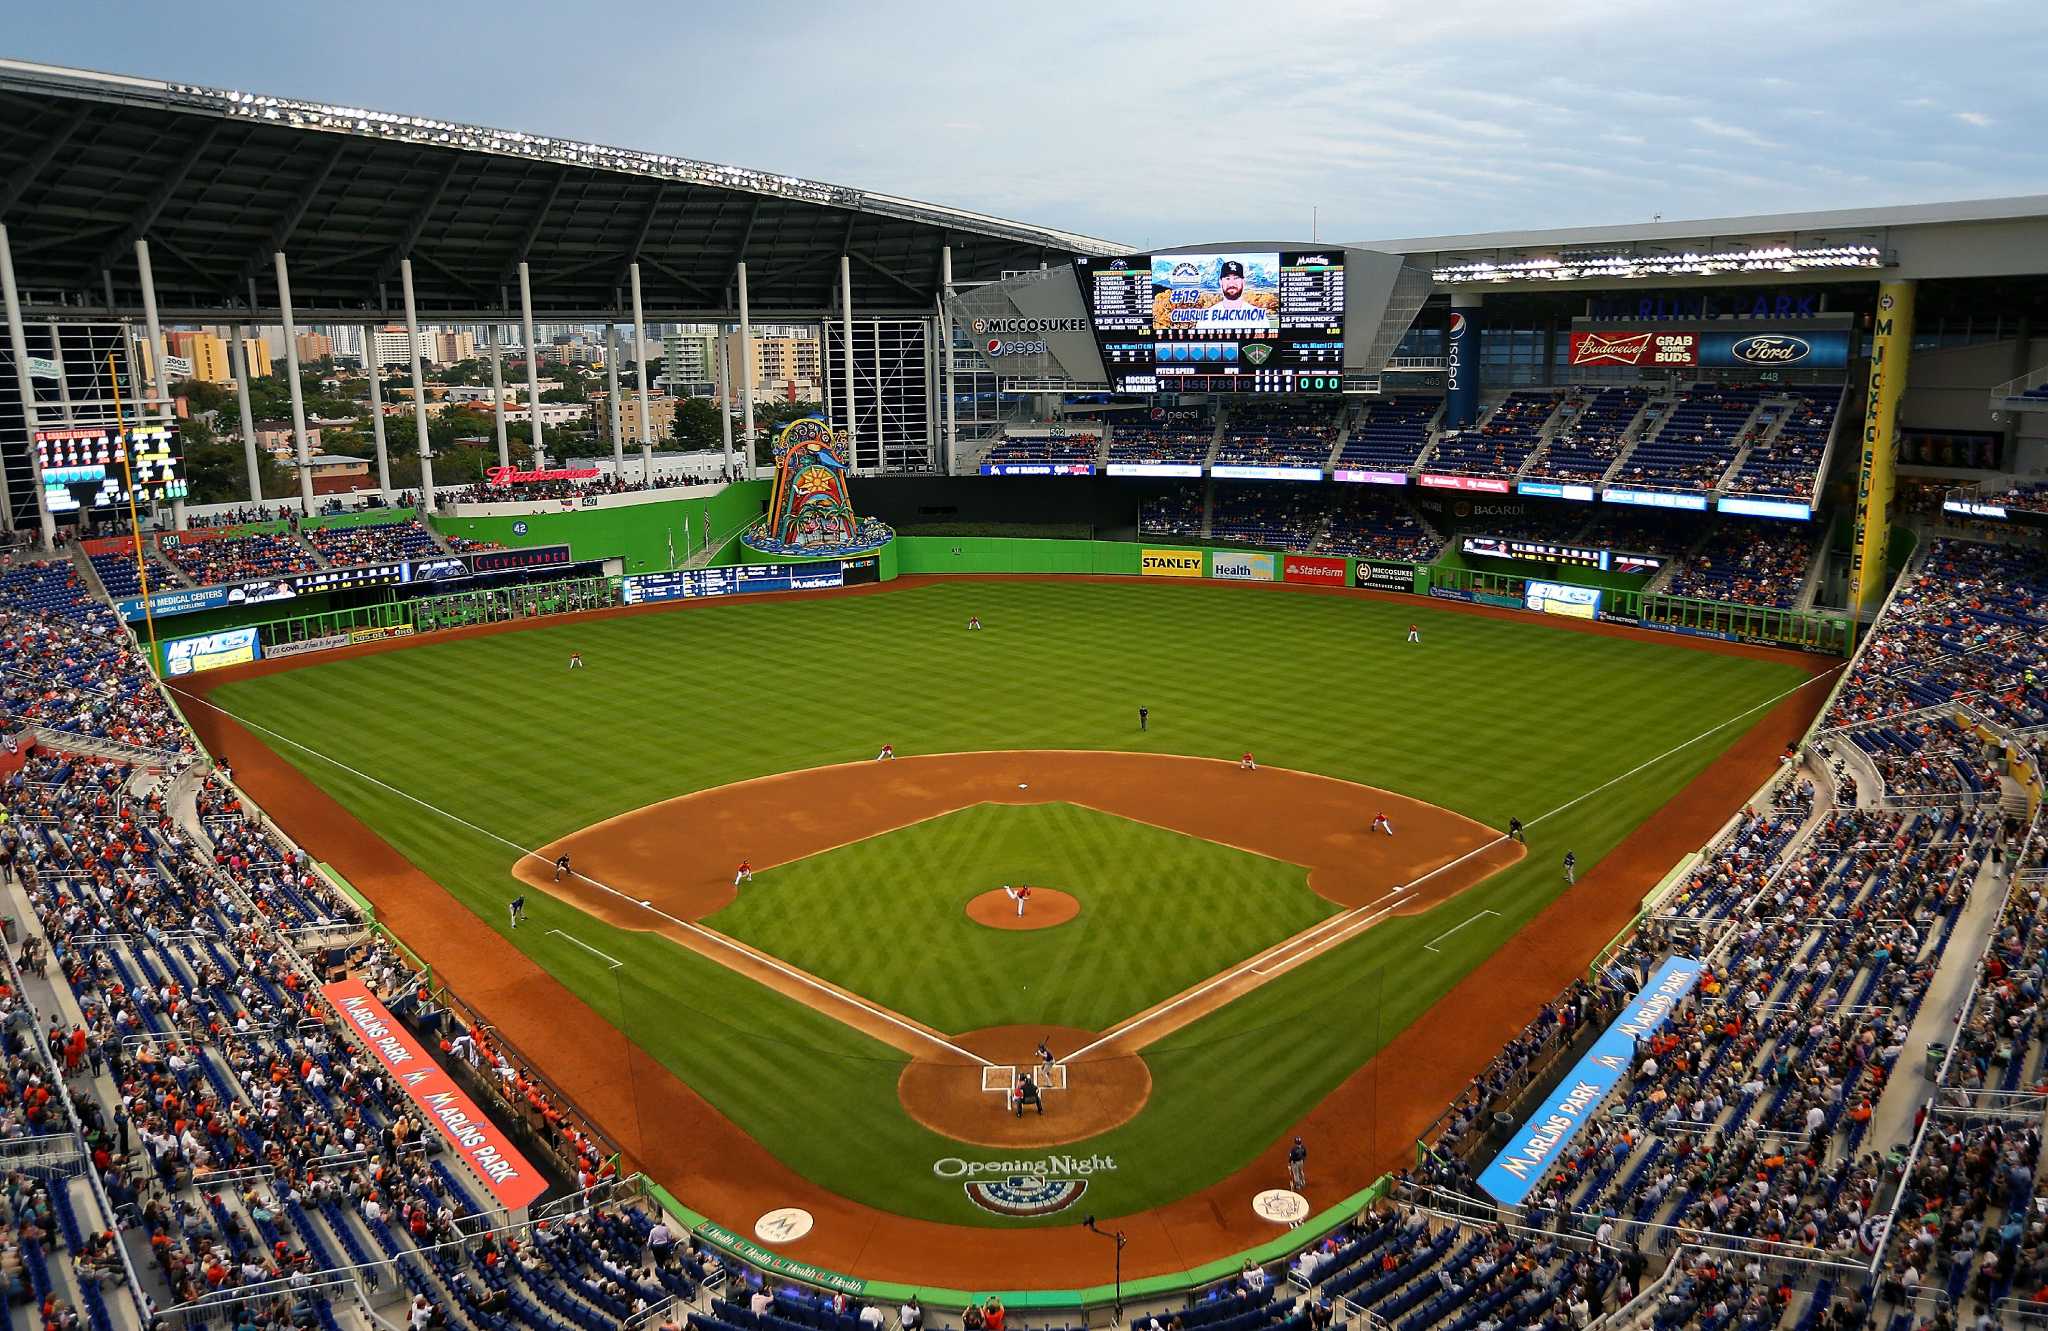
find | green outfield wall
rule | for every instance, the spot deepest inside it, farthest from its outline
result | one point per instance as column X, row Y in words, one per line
column 640, row 534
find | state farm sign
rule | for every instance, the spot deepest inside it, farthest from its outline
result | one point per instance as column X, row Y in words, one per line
column 1635, row 348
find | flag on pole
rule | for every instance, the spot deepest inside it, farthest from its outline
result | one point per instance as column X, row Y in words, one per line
column 670, row 537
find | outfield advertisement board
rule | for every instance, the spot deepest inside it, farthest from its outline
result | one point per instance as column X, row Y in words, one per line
column 1559, row 598
column 1581, row 494
column 685, row 584
column 1170, row 563
column 211, row 651
column 1474, row 484
column 512, row 1181
column 1322, row 569
column 1241, row 566
column 1037, row 469
column 1542, row 1140
column 1656, row 499
column 1180, row 470
column 289, row 587
column 1384, row 577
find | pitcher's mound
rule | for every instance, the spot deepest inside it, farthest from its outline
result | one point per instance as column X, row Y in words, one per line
column 955, row 1097
column 1048, row 906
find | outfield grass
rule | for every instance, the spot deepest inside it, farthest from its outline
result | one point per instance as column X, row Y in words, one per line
column 886, row 917
column 1489, row 717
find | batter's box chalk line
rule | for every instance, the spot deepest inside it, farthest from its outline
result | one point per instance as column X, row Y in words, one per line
column 1001, row 1077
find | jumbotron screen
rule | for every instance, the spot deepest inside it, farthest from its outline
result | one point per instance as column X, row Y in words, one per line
column 1238, row 322
column 81, row 466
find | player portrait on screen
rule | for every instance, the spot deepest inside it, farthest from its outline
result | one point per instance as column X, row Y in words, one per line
column 1216, row 295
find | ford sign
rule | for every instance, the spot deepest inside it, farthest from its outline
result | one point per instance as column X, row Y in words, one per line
column 1770, row 349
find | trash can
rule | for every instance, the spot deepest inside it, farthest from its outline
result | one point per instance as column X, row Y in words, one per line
column 1937, row 1054
column 7, row 929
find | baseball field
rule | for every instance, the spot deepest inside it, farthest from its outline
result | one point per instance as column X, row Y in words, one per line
column 1213, row 955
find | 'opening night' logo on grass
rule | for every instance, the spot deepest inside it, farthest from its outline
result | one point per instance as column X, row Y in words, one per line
column 1029, row 1187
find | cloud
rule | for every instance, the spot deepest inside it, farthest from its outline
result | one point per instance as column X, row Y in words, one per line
column 1723, row 130
column 1977, row 118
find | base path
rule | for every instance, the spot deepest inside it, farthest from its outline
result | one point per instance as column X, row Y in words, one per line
column 1366, row 1126
column 1047, row 907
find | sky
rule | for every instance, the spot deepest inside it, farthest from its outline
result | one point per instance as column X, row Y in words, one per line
column 1177, row 124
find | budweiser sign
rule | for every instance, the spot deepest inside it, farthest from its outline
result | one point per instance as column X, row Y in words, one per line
column 514, row 476
column 1635, row 348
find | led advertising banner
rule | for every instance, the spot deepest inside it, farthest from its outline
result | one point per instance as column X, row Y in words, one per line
column 1183, row 470
column 211, row 651
column 1655, row 499
column 1231, row 471
column 734, row 580
column 1544, row 552
column 1579, row 494
column 512, row 1180
column 1541, row 1141
column 1474, row 484
column 1795, row 511
column 1356, row 477
column 1819, row 349
column 1238, row 321
column 1558, row 598
column 1037, row 469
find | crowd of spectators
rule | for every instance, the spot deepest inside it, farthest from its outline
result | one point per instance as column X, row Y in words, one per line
column 373, row 543
column 1173, row 435
column 1503, row 441
column 1966, row 625
column 1070, row 447
column 1361, row 521
column 1282, row 433
column 68, row 667
column 1392, row 433
column 605, row 484
column 1696, row 441
column 1749, row 563
column 1787, row 463
column 243, row 558
column 1586, row 445
column 2028, row 496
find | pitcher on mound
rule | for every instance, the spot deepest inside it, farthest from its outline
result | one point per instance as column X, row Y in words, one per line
column 1020, row 895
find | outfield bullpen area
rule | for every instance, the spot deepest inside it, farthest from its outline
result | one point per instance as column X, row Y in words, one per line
column 1248, row 961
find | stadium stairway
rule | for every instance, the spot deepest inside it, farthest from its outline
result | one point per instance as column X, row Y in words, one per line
column 1647, row 422
column 1891, row 1119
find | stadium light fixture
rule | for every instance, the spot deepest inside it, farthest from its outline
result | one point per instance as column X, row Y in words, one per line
column 1624, row 267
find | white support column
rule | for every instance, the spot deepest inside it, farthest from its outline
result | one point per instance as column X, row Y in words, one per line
column 291, row 360
column 611, row 400
column 746, row 375
column 63, row 376
column 498, row 398
column 846, row 360
column 722, row 368
column 374, row 366
column 950, row 444
column 238, row 359
column 640, row 373
column 156, row 357
column 540, row 453
column 17, row 346
column 419, row 388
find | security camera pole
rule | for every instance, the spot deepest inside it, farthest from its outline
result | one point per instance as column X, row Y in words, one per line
column 1088, row 1223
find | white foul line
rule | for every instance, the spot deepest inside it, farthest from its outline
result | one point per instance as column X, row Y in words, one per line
column 1358, row 918
column 1430, row 946
column 609, row 960
column 690, row 925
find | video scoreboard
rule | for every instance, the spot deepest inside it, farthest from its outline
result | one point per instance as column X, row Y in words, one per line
column 747, row 579
column 1553, row 552
column 1239, row 322
column 82, row 466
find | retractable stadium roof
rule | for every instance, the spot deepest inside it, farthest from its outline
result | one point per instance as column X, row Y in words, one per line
column 217, row 181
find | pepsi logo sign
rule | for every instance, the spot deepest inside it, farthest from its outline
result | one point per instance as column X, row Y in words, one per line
column 1457, row 324
column 1771, row 349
